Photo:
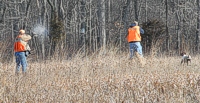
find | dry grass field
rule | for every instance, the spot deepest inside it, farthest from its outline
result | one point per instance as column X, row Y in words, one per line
column 110, row 78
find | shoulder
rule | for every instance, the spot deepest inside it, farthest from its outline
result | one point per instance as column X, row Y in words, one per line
column 136, row 27
column 26, row 37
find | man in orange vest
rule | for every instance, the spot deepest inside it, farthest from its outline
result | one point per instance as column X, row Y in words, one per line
column 134, row 39
column 20, row 48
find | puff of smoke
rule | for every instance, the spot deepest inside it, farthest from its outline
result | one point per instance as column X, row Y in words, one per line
column 40, row 31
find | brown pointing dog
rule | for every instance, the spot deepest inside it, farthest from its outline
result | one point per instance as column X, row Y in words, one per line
column 185, row 58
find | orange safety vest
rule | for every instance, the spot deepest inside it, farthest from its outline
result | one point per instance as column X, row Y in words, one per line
column 134, row 34
column 18, row 45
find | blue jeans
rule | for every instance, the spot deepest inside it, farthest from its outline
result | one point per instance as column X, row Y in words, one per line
column 135, row 47
column 20, row 60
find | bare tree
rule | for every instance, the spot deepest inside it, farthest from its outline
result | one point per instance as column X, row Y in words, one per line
column 198, row 26
column 167, row 32
column 94, row 24
column 83, row 24
column 136, row 9
column 102, row 23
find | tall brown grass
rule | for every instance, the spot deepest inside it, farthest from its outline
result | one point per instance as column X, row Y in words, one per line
column 103, row 78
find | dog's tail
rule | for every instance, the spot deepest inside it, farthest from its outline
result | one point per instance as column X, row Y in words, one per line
column 189, row 57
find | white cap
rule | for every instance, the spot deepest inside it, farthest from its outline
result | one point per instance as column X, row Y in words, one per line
column 22, row 31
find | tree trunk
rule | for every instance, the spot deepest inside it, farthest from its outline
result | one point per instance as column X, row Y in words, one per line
column 167, row 33
column 83, row 25
column 125, row 13
column 43, row 16
column 178, row 33
column 198, row 27
column 102, row 23
column 146, row 10
column 136, row 9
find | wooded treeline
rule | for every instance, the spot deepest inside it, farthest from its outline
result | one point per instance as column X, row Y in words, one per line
column 87, row 26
